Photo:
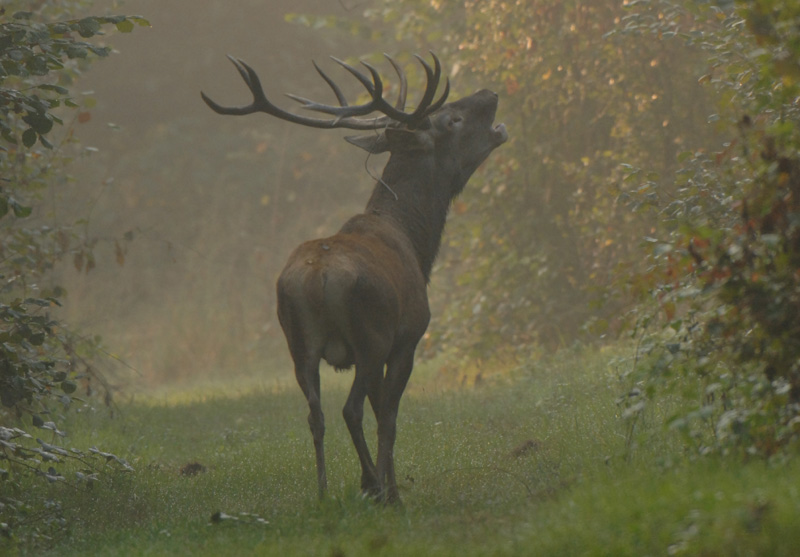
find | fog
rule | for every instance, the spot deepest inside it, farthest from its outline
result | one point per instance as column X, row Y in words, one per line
column 191, row 214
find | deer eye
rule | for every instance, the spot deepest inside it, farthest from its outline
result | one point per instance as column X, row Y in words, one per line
column 455, row 122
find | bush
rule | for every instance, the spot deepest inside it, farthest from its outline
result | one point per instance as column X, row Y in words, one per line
column 42, row 363
column 727, row 274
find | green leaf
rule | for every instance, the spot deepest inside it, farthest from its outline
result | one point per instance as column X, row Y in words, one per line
column 29, row 138
column 101, row 51
column 20, row 211
column 39, row 121
column 59, row 28
column 125, row 26
column 57, row 88
column 75, row 51
column 88, row 27
column 68, row 387
column 36, row 339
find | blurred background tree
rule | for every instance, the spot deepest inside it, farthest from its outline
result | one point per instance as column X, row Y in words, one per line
column 549, row 251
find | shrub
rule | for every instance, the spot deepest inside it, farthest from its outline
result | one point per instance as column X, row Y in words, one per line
column 42, row 363
column 727, row 272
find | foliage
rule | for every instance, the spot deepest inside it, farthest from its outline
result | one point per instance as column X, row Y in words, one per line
column 544, row 253
column 35, row 519
column 41, row 362
column 32, row 50
column 725, row 268
column 753, row 270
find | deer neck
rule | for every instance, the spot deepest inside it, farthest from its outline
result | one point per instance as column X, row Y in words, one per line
column 415, row 198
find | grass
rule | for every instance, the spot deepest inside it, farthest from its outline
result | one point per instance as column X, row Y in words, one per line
column 532, row 461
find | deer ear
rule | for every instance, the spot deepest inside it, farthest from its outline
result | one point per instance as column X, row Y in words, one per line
column 400, row 139
column 373, row 143
column 394, row 140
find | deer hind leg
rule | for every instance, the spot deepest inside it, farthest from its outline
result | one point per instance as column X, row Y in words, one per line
column 353, row 413
column 398, row 370
column 307, row 374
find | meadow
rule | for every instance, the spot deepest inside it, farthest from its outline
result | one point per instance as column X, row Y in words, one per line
column 531, row 459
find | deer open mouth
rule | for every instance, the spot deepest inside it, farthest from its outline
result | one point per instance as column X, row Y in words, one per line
column 500, row 133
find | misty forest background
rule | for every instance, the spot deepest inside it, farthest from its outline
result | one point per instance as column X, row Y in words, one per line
column 637, row 129
column 648, row 199
column 189, row 217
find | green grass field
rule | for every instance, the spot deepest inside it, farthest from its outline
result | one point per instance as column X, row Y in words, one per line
column 535, row 460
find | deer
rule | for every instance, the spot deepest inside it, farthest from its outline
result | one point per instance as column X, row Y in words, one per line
column 359, row 298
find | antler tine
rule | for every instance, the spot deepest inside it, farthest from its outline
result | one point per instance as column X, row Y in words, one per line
column 438, row 104
column 374, row 87
column 370, row 86
column 237, row 111
column 401, row 95
column 250, row 77
column 312, row 105
column 438, row 70
column 332, row 84
column 432, row 82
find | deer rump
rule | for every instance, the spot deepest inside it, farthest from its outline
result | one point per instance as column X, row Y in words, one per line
column 342, row 296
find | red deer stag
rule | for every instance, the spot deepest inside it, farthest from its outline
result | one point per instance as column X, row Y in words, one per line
column 360, row 297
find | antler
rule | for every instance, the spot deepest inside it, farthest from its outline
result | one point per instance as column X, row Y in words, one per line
column 346, row 116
